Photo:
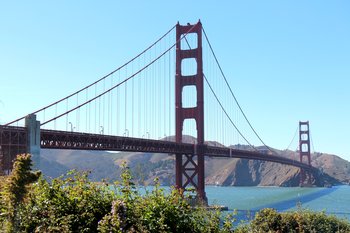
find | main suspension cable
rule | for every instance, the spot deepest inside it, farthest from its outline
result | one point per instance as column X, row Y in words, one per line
column 221, row 105
column 295, row 134
column 312, row 142
column 234, row 97
column 120, row 83
column 99, row 80
column 224, row 110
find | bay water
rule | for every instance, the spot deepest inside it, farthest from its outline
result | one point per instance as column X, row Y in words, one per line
column 248, row 200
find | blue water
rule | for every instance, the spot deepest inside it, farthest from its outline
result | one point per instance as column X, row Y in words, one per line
column 248, row 200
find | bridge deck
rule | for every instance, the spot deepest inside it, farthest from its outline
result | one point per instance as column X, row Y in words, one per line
column 15, row 137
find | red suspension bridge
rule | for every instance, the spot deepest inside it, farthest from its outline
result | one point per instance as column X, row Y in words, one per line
column 132, row 109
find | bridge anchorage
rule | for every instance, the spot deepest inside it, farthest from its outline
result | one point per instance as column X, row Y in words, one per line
column 17, row 140
column 189, row 157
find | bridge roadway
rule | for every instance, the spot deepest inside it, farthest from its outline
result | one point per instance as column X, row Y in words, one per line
column 53, row 139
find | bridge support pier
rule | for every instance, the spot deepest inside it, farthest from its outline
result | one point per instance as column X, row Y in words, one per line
column 33, row 138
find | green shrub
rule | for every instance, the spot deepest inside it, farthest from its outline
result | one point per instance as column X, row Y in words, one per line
column 13, row 190
column 267, row 219
column 156, row 211
column 72, row 203
column 67, row 204
column 305, row 221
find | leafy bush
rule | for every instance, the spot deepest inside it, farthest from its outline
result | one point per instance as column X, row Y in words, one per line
column 306, row 221
column 156, row 211
column 13, row 190
column 72, row 203
column 67, row 204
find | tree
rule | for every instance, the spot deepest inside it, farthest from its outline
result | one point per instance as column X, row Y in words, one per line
column 14, row 189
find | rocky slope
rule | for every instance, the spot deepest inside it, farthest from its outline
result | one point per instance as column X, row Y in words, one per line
column 219, row 171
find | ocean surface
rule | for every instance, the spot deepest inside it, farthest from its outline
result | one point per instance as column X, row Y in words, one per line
column 248, row 200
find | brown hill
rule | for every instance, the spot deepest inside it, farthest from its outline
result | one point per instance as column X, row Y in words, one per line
column 218, row 171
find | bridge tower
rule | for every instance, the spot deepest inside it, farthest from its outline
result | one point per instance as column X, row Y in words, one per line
column 190, row 167
column 304, row 152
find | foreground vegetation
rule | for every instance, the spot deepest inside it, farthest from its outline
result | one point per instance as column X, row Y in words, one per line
column 72, row 203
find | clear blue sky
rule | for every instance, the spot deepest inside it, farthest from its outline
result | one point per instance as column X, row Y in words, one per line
column 286, row 60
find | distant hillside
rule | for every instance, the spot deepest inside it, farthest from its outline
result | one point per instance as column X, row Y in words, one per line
column 57, row 162
column 218, row 171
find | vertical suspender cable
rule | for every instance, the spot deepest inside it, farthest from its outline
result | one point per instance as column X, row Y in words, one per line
column 125, row 104
column 95, row 119
column 67, row 115
column 55, row 116
column 76, row 114
column 104, row 77
column 86, row 111
column 132, row 102
column 234, row 97
column 103, row 108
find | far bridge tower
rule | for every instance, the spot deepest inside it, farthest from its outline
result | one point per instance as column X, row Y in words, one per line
column 304, row 152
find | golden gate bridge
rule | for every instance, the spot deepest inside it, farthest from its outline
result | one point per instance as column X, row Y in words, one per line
column 137, row 107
